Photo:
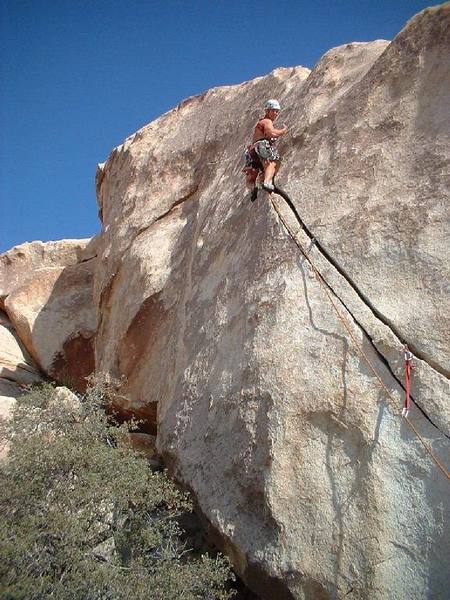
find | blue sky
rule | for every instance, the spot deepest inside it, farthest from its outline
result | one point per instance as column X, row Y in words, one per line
column 77, row 77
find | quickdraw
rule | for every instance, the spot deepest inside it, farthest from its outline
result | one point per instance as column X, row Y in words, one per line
column 408, row 368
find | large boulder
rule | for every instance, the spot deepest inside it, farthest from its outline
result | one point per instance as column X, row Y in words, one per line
column 17, row 370
column 21, row 261
column 54, row 315
column 16, row 364
column 267, row 406
column 48, row 296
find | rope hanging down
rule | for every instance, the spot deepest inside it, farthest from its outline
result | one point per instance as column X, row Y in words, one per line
column 343, row 320
column 408, row 369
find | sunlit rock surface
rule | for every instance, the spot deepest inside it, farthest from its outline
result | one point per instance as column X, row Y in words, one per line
column 19, row 262
column 265, row 406
column 16, row 364
column 48, row 296
column 266, row 409
column 17, row 370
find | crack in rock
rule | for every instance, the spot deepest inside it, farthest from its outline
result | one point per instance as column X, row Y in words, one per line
column 360, row 294
column 362, row 297
column 167, row 212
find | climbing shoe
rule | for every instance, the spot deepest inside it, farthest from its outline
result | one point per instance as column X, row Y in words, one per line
column 268, row 187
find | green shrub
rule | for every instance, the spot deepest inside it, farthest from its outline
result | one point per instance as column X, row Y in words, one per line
column 83, row 517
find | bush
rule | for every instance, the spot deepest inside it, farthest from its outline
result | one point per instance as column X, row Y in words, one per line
column 83, row 516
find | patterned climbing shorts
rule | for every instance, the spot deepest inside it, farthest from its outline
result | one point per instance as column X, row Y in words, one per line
column 266, row 151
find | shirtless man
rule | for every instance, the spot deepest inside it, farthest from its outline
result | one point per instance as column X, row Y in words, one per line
column 263, row 148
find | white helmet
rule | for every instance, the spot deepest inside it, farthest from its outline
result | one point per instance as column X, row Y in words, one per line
column 272, row 105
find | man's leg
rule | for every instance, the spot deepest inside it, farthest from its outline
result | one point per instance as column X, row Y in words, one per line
column 270, row 167
column 250, row 178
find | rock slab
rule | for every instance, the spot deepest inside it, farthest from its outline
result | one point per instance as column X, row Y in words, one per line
column 266, row 409
column 226, row 343
column 48, row 296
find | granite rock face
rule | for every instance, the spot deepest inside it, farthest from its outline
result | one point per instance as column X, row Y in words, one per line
column 16, row 365
column 17, row 369
column 48, row 295
column 46, row 291
column 21, row 261
column 228, row 345
column 265, row 407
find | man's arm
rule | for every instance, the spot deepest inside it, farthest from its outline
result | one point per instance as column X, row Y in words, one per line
column 270, row 131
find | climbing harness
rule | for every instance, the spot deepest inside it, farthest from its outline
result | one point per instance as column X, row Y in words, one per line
column 408, row 368
column 345, row 324
column 254, row 155
column 263, row 149
column 266, row 149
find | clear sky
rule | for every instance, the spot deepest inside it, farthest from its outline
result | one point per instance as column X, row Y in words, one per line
column 78, row 76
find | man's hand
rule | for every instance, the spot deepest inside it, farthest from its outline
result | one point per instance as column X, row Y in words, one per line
column 282, row 131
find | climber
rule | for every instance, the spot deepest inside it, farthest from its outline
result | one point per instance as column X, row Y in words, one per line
column 262, row 155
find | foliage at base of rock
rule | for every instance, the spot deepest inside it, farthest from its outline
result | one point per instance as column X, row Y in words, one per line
column 83, row 516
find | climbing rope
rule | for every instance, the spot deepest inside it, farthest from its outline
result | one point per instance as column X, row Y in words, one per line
column 408, row 369
column 347, row 327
